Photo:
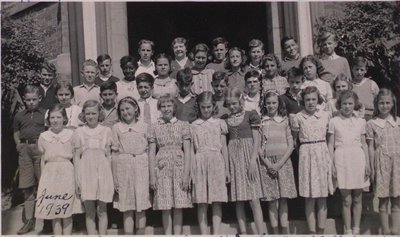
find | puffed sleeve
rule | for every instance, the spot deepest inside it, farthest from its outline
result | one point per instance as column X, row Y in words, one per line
column 370, row 130
column 331, row 127
column 224, row 127
column 41, row 145
column 186, row 131
column 295, row 123
column 151, row 133
column 254, row 119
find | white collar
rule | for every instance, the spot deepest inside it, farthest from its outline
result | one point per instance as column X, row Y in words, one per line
column 106, row 77
column 255, row 98
column 382, row 122
column 151, row 64
column 137, row 127
column 331, row 57
column 200, row 121
column 185, row 99
column 63, row 136
column 162, row 121
column 182, row 62
column 317, row 114
column 276, row 118
column 359, row 83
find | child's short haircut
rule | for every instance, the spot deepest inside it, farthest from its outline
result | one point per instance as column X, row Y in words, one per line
column 67, row 86
column 295, row 72
column 342, row 77
column 256, row 43
column 89, row 62
column 145, row 77
column 281, row 106
column 146, row 41
column 273, row 58
column 348, row 94
column 206, row 96
column 89, row 104
column 167, row 98
column 56, row 108
column 103, row 57
column 235, row 93
column 163, row 55
column 286, row 39
column 323, row 36
column 386, row 92
column 253, row 73
column 131, row 101
column 199, row 48
column 359, row 61
column 50, row 67
column 31, row 89
column 108, row 85
column 128, row 59
column 219, row 40
column 310, row 90
column 242, row 54
column 179, row 40
column 218, row 77
column 313, row 59
column 184, row 76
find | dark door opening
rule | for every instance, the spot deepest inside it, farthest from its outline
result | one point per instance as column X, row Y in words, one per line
column 199, row 22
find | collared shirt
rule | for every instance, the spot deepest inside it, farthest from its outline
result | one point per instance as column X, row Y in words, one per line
column 147, row 69
column 236, row 80
column 277, row 83
column 311, row 127
column 154, row 112
column 202, row 81
column 292, row 102
column 185, row 108
column 127, row 88
column 387, row 121
column 275, row 118
column 324, row 88
column 164, row 86
column 49, row 97
column 82, row 93
column 330, row 57
column 29, row 123
column 182, row 62
column 100, row 79
column 252, row 103
column 175, row 66
column 111, row 117
column 161, row 120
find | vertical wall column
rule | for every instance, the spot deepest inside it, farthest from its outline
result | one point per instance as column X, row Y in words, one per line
column 89, row 29
column 273, row 29
column 305, row 28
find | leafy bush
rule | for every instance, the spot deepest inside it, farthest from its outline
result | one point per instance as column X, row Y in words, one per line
column 372, row 30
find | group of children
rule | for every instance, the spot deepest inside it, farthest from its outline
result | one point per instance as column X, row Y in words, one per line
column 173, row 133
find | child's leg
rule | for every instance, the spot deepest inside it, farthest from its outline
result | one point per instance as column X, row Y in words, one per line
column 273, row 215
column 346, row 209
column 322, row 214
column 29, row 202
column 357, row 209
column 257, row 215
column 177, row 220
column 241, row 216
column 310, row 214
column 216, row 217
column 103, row 218
column 128, row 222
column 395, row 202
column 67, row 226
column 90, row 209
column 140, row 222
column 283, row 215
column 384, row 215
column 167, row 222
column 57, row 226
column 202, row 217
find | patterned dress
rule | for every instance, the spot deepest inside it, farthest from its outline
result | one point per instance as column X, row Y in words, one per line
column 208, row 166
column 56, row 193
column 240, row 147
column 315, row 165
column 94, row 172
column 275, row 137
column 386, row 135
column 169, row 164
column 131, row 167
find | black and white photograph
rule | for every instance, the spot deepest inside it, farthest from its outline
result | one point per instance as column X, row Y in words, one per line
column 222, row 118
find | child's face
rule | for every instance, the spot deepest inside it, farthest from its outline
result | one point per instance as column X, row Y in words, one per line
column 347, row 107
column 184, row 88
column 234, row 105
column 358, row 72
column 128, row 112
column 200, row 60
column 328, row 47
column 167, row 110
column 310, row 70
column 179, row 50
column 271, row 104
column 129, row 71
column 219, row 88
column 341, row 86
column 56, row 120
column 89, row 73
column 291, row 48
column 32, row 100
column 64, row 96
column 235, row 58
column 162, row 67
column 385, row 105
column 46, row 77
column 206, row 109
column 92, row 116
column 220, row 52
column 145, row 52
column 253, row 85
column 270, row 69
column 256, row 54
column 311, row 102
column 105, row 67
column 295, row 83
column 108, row 97
column 145, row 90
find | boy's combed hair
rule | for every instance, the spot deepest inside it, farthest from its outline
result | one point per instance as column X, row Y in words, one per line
column 89, row 104
column 253, row 73
column 281, row 106
column 103, row 57
column 286, row 39
column 256, row 43
column 359, row 61
column 199, row 48
column 219, row 76
column 323, row 36
column 348, row 94
column 386, row 92
column 315, row 60
column 243, row 55
column 219, row 40
column 130, row 101
column 57, row 108
column 342, row 77
column 108, row 85
column 50, row 67
column 160, row 56
column 179, row 40
column 273, row 58
column 89, row 62
column 167, row 98
column 206, row 96
column 295, row 72
column 31, row 89
column 310, row 90
column 128, row 59
column 67, row 86
column 146, row 41
column 145, row 77
column 184, row 76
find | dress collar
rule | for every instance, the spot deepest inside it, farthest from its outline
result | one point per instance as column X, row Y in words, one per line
column 162, row 82
column 151, row 64
column 240, row 72
column 317, row 114
column 200, row 121
column 64, row 136
column 137, row 127
column 276, row 118
column 286, row 59
column 172, row 121
column 382, row 122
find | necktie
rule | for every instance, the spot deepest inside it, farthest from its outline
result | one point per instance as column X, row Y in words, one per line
column 146, row 113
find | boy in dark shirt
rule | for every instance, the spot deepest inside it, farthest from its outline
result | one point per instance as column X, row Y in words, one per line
column 185, row 102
